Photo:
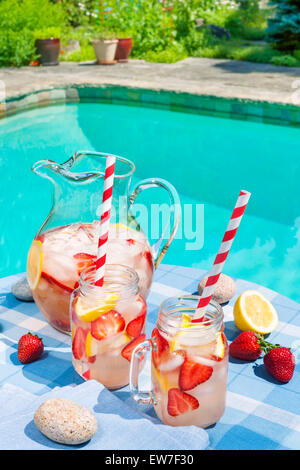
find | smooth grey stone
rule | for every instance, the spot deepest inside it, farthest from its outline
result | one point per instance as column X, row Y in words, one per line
column 65, row 421
column 22, row 291
column 225, row 288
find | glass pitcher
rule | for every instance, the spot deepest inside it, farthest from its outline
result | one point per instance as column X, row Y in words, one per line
column 66, row 244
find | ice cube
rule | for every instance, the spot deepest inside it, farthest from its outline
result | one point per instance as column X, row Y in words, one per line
column 175, row 361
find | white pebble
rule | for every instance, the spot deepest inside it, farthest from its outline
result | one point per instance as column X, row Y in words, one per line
column 225, row 288
column 65, row 421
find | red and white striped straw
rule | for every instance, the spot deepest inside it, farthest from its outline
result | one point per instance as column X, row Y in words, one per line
column 219, row 262
column 105, row 219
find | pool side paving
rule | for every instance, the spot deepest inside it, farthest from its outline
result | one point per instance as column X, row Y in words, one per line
column 245, row 90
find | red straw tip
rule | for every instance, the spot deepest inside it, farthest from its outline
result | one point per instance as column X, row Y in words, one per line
column 244, row 192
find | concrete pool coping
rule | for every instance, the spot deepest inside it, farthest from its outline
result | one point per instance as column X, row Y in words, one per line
column 235, row 89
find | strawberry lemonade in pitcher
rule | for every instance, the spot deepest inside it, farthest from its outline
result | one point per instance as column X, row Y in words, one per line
column 67, row 242
column 57, row 258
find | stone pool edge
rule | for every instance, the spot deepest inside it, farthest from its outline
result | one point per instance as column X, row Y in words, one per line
column 234, row 108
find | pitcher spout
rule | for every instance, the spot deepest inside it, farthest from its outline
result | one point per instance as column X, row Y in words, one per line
column 46, row 168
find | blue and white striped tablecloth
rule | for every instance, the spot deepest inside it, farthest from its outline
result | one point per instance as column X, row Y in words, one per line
column 260, row 412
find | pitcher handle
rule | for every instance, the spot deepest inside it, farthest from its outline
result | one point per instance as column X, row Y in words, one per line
column 138, row 354
column 158, row 249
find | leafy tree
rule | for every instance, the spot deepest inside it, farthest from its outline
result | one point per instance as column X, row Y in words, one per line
column 284, row 27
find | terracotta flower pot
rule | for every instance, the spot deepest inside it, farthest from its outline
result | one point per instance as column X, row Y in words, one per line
column 105, row 50
column 123, row 49
column 48, row 49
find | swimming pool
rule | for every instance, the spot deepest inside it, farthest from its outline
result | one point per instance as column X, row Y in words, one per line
column 208, row 159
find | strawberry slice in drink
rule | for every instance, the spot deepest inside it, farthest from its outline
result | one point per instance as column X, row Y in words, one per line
column 60, row 269
column 128, row 350
column 78, row 344
column 149, row 258
column 134, row 328
column 192, row 374
column 180, row 402
column 87, row 374
column 83, row 261
column 160, row 346
column 52, row 280
column 108, row 325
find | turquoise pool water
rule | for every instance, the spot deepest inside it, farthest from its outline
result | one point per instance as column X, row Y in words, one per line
column 207, row 159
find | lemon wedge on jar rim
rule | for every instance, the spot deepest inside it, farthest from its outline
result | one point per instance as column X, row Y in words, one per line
column 88, row 312
column 252, row 311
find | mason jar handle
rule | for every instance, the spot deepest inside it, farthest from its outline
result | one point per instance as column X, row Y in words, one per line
column 138, row 355
column 158, row 248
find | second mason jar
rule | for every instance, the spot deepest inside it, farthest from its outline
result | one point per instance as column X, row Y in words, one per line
column 189, row 363
column 107, row 324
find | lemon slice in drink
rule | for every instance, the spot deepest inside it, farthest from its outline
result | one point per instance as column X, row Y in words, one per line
column 252, row 311
column 178, row 339
column 121, row 226
column 219, row 352
column 162, row 380
column 34, row 263
column 90, row 345
column 87, row 311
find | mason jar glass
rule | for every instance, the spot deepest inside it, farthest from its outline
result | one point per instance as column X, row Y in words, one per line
column 107, row 323
column 189, row 363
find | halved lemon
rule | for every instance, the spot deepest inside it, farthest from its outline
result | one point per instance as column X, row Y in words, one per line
column 34, row 263
column 90, row 345
column 252, row 311
column 88, row 311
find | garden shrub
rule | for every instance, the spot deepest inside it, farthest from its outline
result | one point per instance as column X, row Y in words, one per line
column 18, row 21
column 285, row 60
column 18, row 15
column 250, row 24
column 255, row 54
column 16, row 48
column 79, row 12
column 83, row 54
column 168, row 55
column 46, row 33
column 198, row 40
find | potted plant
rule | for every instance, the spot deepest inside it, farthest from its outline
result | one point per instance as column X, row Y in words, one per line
column 47, row 43
column 105, row 46
column 124, row 46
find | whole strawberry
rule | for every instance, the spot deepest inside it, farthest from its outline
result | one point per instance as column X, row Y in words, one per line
column 30, row 348
column 246, row 346
column 280, row 363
